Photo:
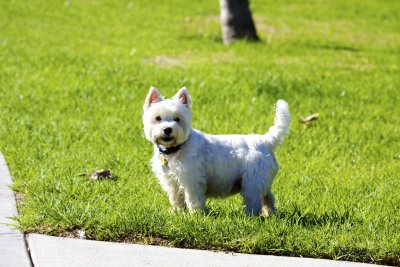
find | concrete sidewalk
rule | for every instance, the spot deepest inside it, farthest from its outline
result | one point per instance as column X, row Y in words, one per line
column 54, row 251
column 13, row 251
column 51, row 251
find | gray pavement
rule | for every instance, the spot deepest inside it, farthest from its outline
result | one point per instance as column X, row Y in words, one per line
column 57, row 251
column 13, row 250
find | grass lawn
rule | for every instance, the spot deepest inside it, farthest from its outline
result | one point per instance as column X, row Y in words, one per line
column 73, row 77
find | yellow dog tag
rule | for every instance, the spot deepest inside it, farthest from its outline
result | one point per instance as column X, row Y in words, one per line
column 164, row 162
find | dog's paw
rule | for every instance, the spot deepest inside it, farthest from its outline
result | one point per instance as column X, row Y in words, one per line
column 176, row 209
column 197, row 211
column 268, row 212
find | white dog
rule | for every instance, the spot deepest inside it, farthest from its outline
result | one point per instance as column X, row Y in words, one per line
column 192, row 165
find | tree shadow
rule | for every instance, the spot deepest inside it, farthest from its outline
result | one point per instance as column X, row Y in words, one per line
column 333, row 46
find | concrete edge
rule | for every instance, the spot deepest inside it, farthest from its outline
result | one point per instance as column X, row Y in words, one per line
column 58, row 251
column 13, row 247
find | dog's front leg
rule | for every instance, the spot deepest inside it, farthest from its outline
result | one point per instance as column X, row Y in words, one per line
column 195, row 195
column 195, row 201
column 175, row 195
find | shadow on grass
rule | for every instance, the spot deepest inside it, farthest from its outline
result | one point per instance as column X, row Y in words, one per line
column 295, row 216
column 335, row 47
column 308, row 219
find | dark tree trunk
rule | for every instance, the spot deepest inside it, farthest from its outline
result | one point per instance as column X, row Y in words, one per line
column 236, row 21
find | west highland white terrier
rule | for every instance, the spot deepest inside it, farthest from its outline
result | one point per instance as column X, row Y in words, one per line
column 192, row 165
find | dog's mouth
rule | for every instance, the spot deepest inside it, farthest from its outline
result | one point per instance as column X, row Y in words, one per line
column 166, row 140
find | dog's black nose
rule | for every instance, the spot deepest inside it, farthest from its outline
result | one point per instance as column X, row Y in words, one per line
column 168, row 130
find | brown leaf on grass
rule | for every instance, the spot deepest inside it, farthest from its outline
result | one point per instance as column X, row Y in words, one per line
column 310, row 118
column 99, row 174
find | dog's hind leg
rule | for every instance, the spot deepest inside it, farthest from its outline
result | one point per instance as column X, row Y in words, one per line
column 253, row 199
column 253, row 204
column 269, row 204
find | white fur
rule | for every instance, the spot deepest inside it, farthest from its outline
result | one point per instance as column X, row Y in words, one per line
column 211, row 165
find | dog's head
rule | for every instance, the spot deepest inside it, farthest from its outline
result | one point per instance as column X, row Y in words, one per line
column 167, row 122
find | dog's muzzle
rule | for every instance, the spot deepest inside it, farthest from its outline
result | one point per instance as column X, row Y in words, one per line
column 167, row 135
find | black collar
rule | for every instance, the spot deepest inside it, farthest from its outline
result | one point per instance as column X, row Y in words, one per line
column 168, row 150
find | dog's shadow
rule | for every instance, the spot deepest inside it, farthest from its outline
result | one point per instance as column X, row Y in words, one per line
column 308, row 219
column 295, row 216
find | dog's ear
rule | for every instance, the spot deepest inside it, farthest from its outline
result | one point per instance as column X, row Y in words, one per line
column 153, row 96
column 184, row 97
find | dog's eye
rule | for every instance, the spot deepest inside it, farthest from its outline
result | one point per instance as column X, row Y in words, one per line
column 177, row 119
column 158, row 118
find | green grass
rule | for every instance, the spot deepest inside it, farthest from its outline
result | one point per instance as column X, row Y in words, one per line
column 73, row 77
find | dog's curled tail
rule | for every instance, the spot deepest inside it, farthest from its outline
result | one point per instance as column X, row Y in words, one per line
column 280, row 129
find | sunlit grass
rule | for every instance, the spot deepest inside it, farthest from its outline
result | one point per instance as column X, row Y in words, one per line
column 73, row 77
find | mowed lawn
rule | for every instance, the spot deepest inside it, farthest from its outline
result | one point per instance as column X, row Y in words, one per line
column 74, row 75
